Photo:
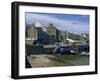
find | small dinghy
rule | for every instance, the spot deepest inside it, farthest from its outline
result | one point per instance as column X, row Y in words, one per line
column 85, row 53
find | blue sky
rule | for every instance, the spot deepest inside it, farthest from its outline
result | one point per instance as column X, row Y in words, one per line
column 65, row 22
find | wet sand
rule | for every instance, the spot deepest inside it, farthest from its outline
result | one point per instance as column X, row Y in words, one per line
column 44, row 60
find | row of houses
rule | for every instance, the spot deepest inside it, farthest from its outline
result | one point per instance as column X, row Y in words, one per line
column 38, row 34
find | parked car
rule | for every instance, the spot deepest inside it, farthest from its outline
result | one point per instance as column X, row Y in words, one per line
column 59, row 44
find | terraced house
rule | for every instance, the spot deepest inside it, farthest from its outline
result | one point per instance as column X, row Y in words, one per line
column 38, row 34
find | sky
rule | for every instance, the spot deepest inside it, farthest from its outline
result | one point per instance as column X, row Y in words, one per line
column 65, row 22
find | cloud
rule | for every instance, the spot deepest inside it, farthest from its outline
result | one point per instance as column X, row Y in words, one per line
column 65, row 25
